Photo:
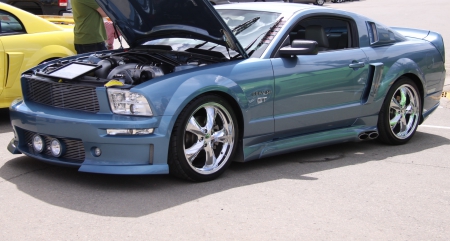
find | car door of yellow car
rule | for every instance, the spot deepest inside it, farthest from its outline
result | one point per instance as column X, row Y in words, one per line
column 2, row 68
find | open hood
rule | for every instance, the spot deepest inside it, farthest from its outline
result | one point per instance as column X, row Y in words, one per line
column 144, row 20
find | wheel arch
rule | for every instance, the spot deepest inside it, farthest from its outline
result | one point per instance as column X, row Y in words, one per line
column 403, row 67
column 229, row 98
column 234, row 105
column 177, row 165
column 232, row 99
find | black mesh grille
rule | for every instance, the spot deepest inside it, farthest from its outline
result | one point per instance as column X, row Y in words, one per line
column 63, row 95
column 74, row 150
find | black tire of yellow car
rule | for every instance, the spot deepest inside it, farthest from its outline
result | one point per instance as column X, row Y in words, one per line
column 178, row 163
column 386, row 134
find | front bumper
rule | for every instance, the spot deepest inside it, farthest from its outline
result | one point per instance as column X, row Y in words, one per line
column 82, row 132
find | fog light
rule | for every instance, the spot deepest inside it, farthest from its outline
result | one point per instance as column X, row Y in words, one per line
column 56, row 148
column 97, row 152
column 38, row 143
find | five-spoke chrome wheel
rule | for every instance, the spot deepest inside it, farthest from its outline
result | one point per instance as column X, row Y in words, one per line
column 203, row 139
column 404, row 111
column 400, row 114
column 209, row 138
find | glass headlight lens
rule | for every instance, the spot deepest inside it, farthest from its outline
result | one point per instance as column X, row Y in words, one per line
column 125, row 102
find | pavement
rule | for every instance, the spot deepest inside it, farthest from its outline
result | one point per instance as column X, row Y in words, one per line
column 447, row 81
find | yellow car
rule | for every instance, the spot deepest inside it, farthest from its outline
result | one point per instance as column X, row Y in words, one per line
column 27, row 40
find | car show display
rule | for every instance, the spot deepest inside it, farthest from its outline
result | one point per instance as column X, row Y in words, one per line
column 202, row 86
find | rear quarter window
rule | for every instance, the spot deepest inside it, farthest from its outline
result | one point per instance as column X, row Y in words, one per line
column 9, row 24
column 382, row 35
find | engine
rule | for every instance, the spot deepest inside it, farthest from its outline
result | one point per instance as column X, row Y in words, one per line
column 134, row 67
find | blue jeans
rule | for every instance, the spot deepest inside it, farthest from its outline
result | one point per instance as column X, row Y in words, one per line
column 87, row 48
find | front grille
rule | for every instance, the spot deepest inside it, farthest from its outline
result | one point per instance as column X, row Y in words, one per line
column 62, row 95
column 74, row 150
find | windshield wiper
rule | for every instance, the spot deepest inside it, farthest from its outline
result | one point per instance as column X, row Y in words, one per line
column 236, row 30
column 241, row 27
column 266, row 34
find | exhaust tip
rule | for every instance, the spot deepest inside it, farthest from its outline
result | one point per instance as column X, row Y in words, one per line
column 373, row 135
column 363, row 136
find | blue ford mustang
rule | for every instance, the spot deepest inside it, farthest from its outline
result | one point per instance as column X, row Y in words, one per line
column 200, row 87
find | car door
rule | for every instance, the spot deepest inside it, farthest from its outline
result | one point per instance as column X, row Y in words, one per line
column 319, row 92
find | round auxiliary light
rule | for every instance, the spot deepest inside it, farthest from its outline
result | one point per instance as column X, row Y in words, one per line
column 56, row 148
column 38, row 143
column 97, row 152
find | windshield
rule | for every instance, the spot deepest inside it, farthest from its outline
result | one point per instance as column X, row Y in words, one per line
column 249, row 27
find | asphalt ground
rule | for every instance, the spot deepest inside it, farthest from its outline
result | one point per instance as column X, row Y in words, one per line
column 350, row 191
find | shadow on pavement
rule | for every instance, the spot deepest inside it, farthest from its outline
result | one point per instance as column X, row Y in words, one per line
column 5, row 125
column 135, row 196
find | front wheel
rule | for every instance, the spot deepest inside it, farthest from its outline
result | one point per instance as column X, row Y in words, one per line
column 400, row 113
column 320, row 2
column 203, row 140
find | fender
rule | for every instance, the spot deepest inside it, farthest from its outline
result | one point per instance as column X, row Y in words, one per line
column 228, row 79
column 399, row 68
column 192, row 88
column 171, row 105
column 49, row 52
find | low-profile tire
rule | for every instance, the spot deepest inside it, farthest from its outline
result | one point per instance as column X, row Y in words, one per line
column 400, row 114
column 320, row 2
column 203, row 139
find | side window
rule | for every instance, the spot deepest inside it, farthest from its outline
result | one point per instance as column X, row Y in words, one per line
column 9, row 24
column 329, row 33
column 380, row 35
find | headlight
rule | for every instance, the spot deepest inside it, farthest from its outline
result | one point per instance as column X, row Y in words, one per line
column 125, row 102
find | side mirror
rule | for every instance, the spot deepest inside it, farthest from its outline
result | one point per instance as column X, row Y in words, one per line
column 300, row 47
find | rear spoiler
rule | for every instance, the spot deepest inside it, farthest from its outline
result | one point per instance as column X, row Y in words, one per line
column 430, row 36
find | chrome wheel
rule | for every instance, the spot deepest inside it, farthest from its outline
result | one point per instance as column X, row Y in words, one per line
column 404, row 111
column 401, row 112
column 203, row 139
column 320, row 2
column 209, row 138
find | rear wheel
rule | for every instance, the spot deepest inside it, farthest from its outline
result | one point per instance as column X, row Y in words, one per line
column 400, row 114
column 320, row 2
column 203, row 139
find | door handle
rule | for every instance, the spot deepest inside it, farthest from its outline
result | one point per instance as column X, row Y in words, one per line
column 355, row 65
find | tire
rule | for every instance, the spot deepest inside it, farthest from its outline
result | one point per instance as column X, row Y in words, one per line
column 320, row 2
column 203, row 139
column 400, row 113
